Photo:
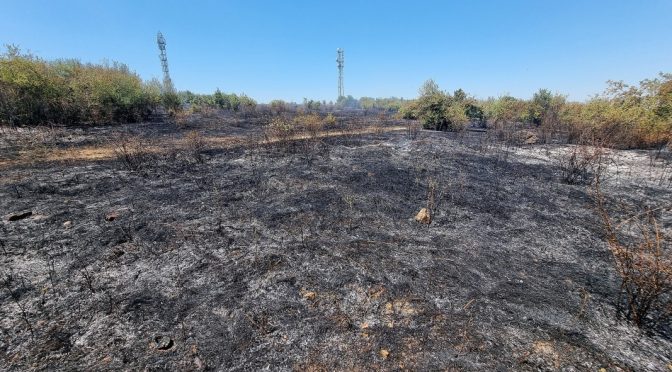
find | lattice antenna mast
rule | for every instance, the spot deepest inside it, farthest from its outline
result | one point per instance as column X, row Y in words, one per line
column 167, row 82
column 340, row 62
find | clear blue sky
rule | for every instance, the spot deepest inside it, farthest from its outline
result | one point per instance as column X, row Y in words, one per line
column 287, row 49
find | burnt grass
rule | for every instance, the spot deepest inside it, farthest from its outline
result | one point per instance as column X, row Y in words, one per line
column 308, row 257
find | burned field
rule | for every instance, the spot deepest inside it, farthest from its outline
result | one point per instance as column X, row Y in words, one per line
column 307, row 256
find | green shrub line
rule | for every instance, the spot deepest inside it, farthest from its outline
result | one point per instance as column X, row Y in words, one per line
column 624, row 116
column 37, row 92
column 68, row 92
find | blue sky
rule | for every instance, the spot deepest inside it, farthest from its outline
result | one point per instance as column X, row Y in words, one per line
column 287, row 49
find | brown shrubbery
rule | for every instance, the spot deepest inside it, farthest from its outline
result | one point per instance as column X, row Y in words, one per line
column 582, row 164
column 623, row 116
column 133, row 153
column 643, row 258
column 283, row 130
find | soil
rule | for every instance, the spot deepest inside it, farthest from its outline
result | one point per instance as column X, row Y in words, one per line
column 245, row 255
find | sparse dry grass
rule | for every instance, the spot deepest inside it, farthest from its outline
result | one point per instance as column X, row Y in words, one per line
column 642, row 254
column 580, row 165
column 133, row 153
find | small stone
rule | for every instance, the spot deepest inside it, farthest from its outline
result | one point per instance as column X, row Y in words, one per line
column 309, row 295
column 111, row 216
column 384, row 353
column 198, row 362
column 423, row 216
column 163, row 342
column 67, row 224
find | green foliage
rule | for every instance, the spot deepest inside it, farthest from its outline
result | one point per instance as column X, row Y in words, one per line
column 459, row 95
column 631, row 116
column 247, row 104
column 171, row 101
column 278, row 106
column 475, row 113
column 230, row 102
column 391, row 104
column 34, row 91
column 311, row 105
column 437, row 109
column 505, row 109
column 348, row 102
column 545, row 108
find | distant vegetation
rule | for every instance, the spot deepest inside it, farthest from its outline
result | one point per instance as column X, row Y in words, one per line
column 37, row 92
column 34, row 91
column 219, row 100
column 623, row 116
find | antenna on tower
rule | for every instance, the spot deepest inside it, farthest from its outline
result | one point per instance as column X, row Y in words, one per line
column 167, row 83
column 340, row 61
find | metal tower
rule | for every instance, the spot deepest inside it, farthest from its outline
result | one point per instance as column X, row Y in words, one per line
column 167, row 83
column 340, row 61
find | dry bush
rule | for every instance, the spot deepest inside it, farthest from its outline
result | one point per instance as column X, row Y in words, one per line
column 413, row 129
column 643, row 261
column 310, row 124
column 133, row 153
column 301, row 133
column 183, row 118
column 330, row 120
column 195, row 145
column 433, row 196
column 581, row 164
column 377, row 127
column 279, row 130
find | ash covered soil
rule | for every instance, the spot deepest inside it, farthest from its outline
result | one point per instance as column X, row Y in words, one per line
column 308, row 257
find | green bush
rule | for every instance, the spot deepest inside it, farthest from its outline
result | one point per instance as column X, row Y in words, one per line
column 34, row 91
column 437, row 109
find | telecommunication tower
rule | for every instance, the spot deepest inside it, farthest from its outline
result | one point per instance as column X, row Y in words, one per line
column 340, row 61
column 167, row 83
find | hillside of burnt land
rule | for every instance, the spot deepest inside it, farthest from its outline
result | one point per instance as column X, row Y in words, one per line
column 306, row 255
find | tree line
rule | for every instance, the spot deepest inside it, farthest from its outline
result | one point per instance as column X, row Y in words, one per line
column 66, row 91
column 626, row 116
column 34, row 91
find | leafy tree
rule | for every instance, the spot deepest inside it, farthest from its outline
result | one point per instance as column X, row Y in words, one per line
column 429, row 88
column 505, row 110
column 437, row 109
column 545, row 107
column 459, row 95
column 475, row 113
